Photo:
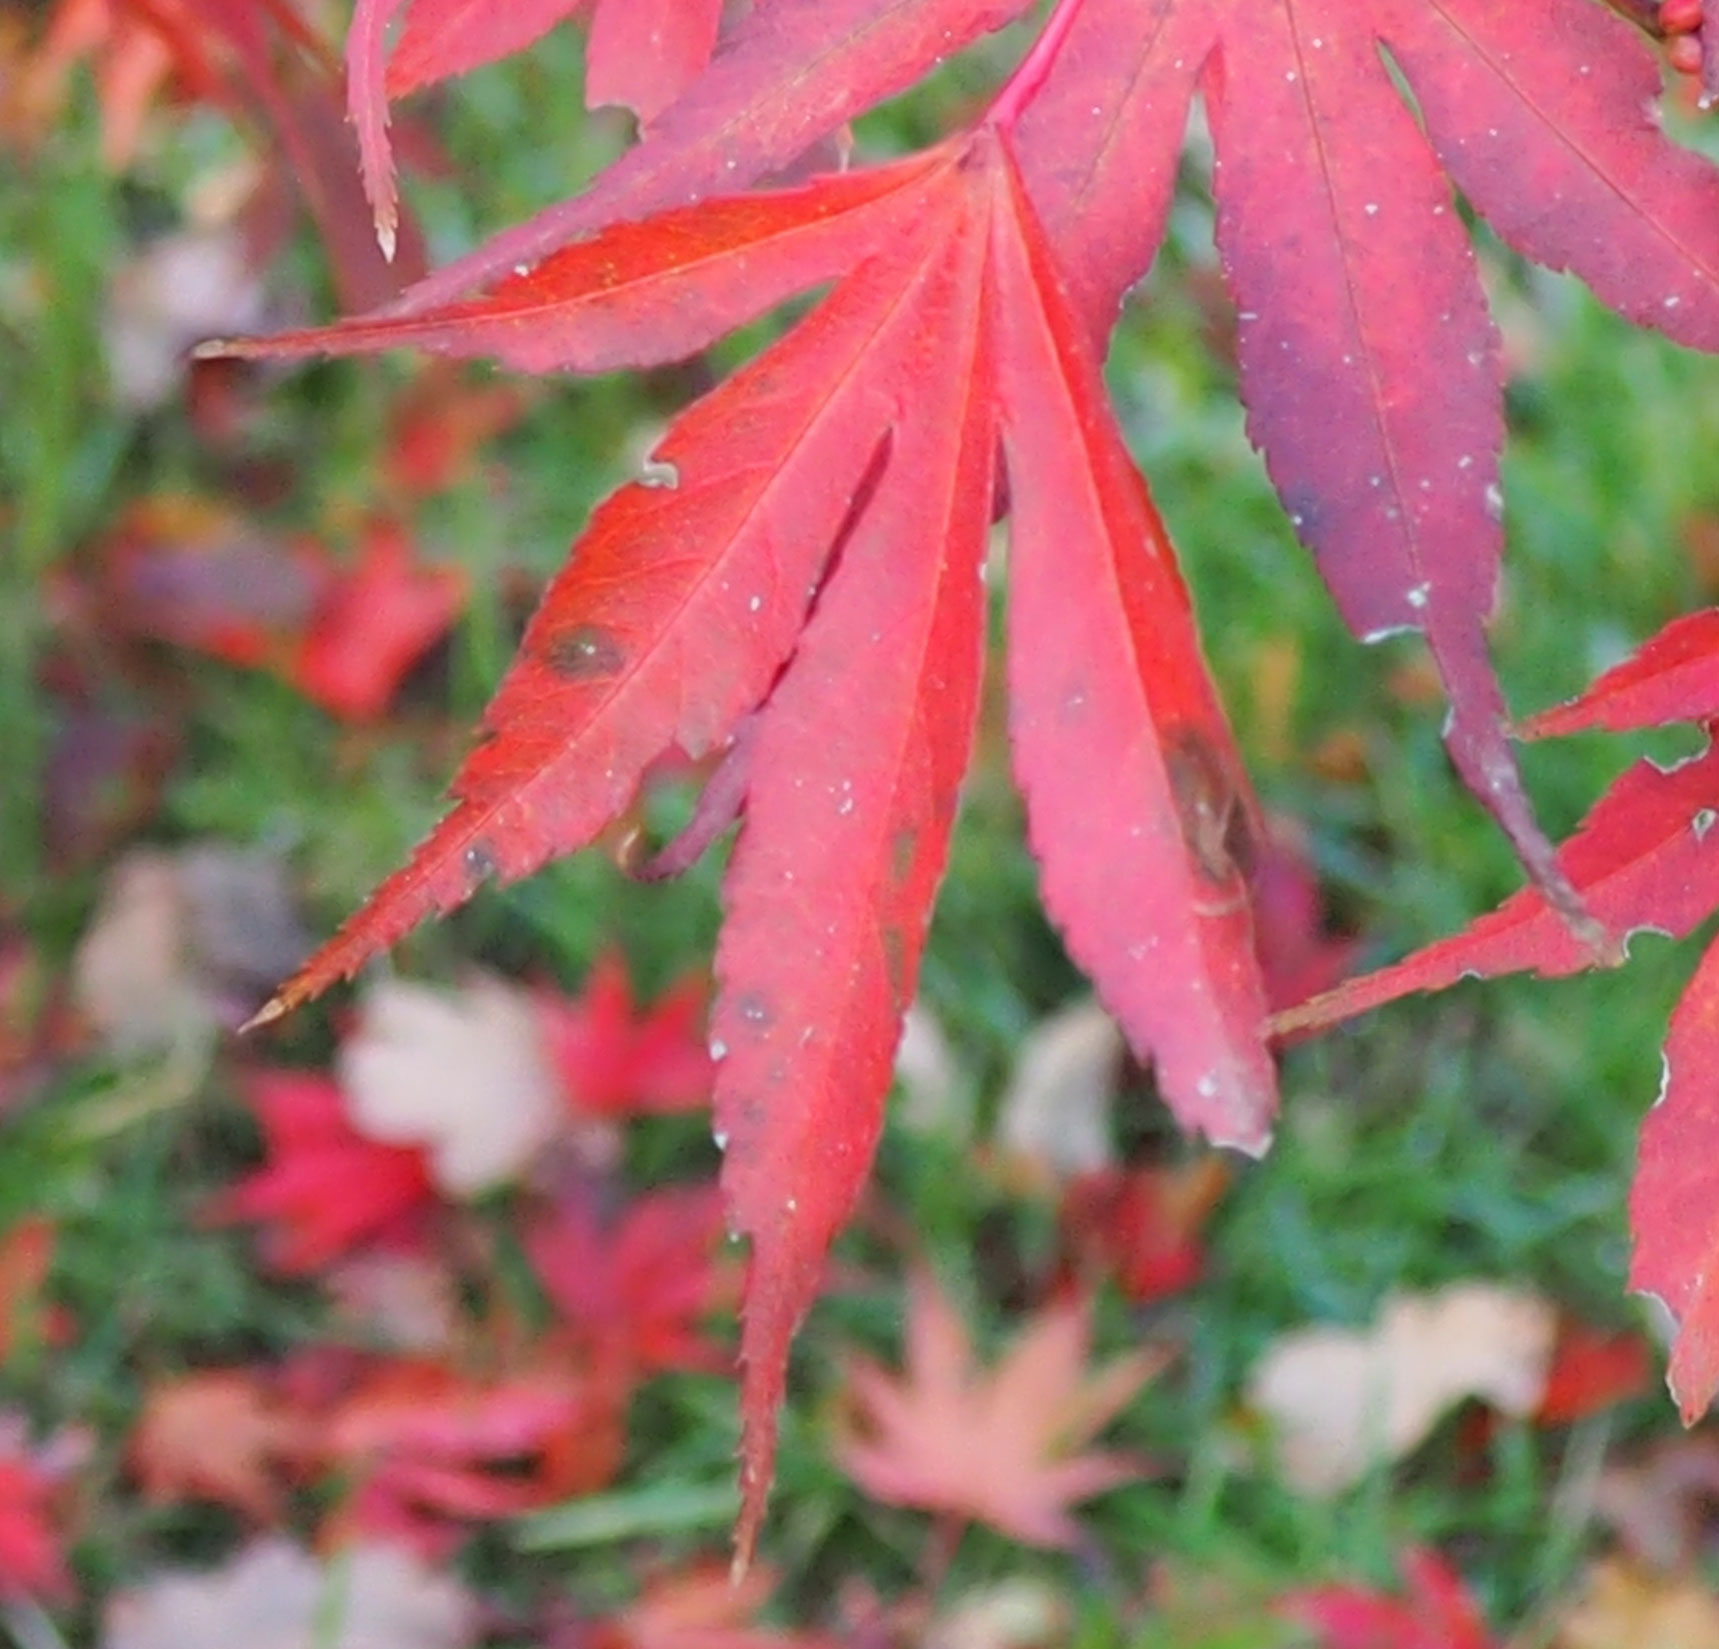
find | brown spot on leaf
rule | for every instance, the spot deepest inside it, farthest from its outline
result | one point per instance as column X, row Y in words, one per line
column 1209, row 808
column 586, row 652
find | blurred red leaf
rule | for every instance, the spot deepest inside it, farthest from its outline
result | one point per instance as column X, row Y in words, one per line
column 1142, row 1225
column 998, row 1447
column 1438, row 1613
column 344, row 633
column 267, row 70
column 32, row 1555
column 635, row 1291
column 616, row 1059
column 326, row 1188
column 26, row 1254
column 1592, row 1371
column 374, row 621
column 437, row 427
column 429, row 1447
column 218, row 1435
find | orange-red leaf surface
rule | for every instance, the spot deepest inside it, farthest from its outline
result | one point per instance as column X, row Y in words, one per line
column 639, row 294
column 1002, row 1447
column 1674, row 1203
column 744, row 118
column 847, row 827
column 673, row 619
column 1646, row 857
column 1673, row 677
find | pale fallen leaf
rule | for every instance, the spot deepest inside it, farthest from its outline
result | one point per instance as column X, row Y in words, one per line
column 192, row 284
column 274, row 1595
column 1341, row 1401
column 1660, row 1504
column 935, row 1096
column 1622, row 1607
column 183, row 943
column 1005, row 1445
column 1020, row 1613
column 133, row 977
column 1055, row 1114
column 461, row 1073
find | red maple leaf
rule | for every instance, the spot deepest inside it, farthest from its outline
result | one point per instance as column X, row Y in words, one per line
column 1004, row 1446
column 796, row 577
column 326, row 1188
column 616, row 1061
column 1438, row 1613
column 427, row 1448
column 635, row 1291
column 374, row 621
column 1645, row 858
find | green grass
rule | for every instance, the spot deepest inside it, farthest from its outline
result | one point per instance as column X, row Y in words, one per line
column 1486, row 1134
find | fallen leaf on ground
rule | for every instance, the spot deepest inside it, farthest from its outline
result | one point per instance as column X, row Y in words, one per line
column 1438, row 1613
column 377, row 615
column 1142, row 1225
column 179, row 943
column 26, row 1254
column 326, row 1188
column 212, row 1435
column 616, row 1058
column 635, row 1290
column 1622, row 1607
column 1661, row 1505
column 395, row 1300
column 1341, row 1401
column 32, row 1540
column 426, row 1448
column 1591, row 1371
column 1021, row 1613
column 462, row 1074
column 1000, row 1447
column 1055, row 1115
column 180, row 288
column 274, row 1595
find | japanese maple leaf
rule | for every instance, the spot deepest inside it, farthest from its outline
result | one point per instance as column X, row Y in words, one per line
column 1438, row 1613
column 1003, row 1447
column 795, row 579
column 326, row 1188
column 1645, row 858
column 635, row 1290
column 429, row 1447
column 641, row 53
column 616, row 1060
column 216, row 1434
